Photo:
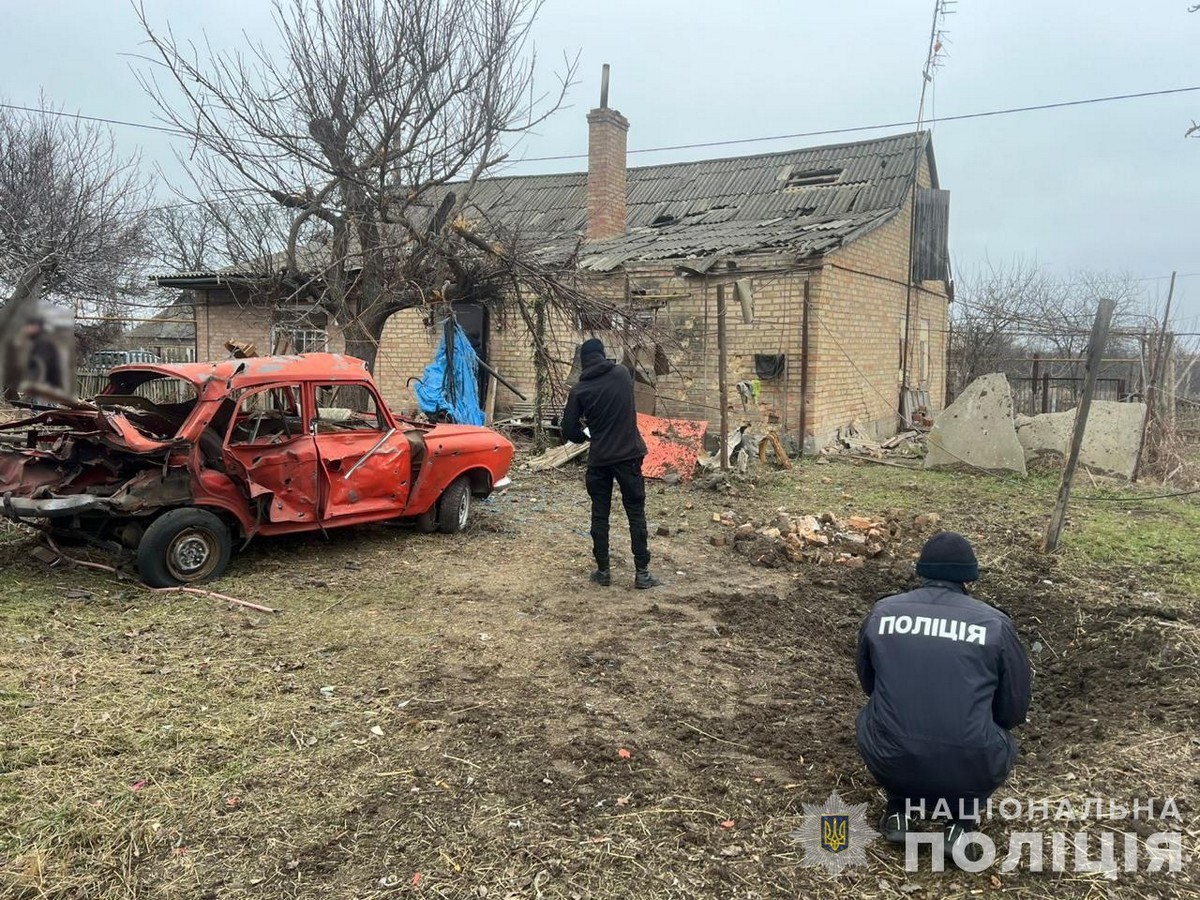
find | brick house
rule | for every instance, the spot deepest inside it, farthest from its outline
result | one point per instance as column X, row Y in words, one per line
column 817, row 241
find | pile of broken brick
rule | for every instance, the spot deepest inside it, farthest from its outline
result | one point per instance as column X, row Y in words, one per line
column 825, row 539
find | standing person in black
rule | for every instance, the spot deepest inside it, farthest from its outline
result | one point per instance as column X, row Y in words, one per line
column 602, row 402
column 947, row 680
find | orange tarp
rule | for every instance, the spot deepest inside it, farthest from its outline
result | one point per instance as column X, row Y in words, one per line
column 672, row 445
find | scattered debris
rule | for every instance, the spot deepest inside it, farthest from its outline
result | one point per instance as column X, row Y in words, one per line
column 905, row 436
column 825, row 539
column 851, row 440
column 558, row 456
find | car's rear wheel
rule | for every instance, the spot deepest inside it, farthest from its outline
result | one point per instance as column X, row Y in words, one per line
column 454, row 509
column 183, row 546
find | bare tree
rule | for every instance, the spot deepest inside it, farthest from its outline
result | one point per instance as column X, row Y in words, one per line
column 1005, row 314
column 369, row 127
column 70, row 204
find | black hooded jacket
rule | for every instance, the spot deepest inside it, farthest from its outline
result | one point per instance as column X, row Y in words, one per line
column 947, row 678
column 603, row 401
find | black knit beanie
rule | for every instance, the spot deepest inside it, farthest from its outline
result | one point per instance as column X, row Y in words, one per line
column 591, row 347
column 948, row 557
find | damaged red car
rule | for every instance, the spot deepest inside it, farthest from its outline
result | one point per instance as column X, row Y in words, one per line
column 176, row 463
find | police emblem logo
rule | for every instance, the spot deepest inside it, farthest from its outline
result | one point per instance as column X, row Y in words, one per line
column 835, row 835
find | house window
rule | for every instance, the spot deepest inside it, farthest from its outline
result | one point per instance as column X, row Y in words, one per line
column 296, row 339
column 614, row 320
column 597, row 321
column 806, row 178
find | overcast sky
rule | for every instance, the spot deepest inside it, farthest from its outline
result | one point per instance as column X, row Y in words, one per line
column 1107, row 186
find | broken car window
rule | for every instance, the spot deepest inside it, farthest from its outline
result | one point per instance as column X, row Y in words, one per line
column 347, row 407
column 157, row 405
column 268, row 416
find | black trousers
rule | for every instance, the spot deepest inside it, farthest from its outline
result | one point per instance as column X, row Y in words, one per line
column 628, row 475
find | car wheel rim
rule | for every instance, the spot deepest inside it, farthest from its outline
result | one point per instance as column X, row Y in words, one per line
column 192, row 555
column 464, row 510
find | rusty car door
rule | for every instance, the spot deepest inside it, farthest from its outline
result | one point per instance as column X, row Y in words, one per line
column 270, row 450
column 364, row 459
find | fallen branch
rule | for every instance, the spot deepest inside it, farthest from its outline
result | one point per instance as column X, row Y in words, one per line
column 883, row 462
column 234, row 600
column 183, row 590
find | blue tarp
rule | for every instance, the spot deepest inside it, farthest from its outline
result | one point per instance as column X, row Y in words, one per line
column 450, row 384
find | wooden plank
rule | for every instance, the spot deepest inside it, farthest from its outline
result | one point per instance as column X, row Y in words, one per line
column 559, row 456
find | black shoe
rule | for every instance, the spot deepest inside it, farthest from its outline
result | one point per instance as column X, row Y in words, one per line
column 643, row 580
column 602, row 577
column 955, row 834
column 894, row 827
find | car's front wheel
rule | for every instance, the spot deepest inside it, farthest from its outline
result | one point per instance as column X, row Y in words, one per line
column 454, row 509
column 183, row 546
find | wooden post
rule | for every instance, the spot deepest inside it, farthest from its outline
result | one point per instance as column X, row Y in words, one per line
column 722, row 379
column 1171, row 383
column 1152, row 390
column 1046, row 391
column 541, row 393
column 1033, row 383
column 804, row 365
column 1168, row 392
column 1095, row 354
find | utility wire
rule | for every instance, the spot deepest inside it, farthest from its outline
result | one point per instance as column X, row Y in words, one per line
column 1012, row 110
column 931, row 121
column 81, row 117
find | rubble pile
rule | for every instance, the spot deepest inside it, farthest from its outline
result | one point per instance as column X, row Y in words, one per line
column 824, row 539
column 854, row 440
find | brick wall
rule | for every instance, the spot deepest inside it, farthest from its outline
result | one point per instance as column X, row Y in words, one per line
column 221, row 316
column 859, row 303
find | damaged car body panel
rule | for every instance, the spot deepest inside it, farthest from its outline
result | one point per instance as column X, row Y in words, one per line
column 173, row 461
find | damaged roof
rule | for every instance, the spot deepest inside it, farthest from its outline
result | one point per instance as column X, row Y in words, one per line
column 805, row 202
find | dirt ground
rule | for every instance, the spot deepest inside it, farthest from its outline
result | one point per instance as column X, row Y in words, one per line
column 468, row 717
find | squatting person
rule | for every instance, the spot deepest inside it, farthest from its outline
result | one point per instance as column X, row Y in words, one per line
column 602, row 401
column 947, row 678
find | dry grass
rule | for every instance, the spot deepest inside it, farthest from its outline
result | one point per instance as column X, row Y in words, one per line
column 452, row 708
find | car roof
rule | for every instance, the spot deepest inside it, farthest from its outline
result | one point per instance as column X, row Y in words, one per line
column 256, row 370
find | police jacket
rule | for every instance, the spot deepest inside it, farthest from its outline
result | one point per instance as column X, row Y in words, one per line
column 946, row 678
column 603, row 400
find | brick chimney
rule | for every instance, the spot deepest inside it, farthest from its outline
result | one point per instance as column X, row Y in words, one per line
column 606, row 184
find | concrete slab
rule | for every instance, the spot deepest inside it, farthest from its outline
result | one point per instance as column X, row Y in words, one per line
column 1109, row 444
column 976, row 431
